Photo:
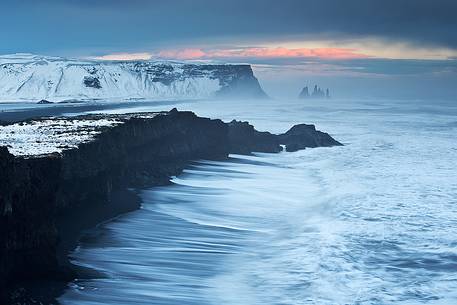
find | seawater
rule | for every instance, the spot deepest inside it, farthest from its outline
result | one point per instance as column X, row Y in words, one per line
column 372, row 222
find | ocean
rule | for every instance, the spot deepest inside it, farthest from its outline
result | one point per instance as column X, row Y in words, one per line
column 372, row 222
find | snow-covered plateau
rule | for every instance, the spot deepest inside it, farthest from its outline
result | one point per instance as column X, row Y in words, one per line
column 54, row 135
column 31, row 78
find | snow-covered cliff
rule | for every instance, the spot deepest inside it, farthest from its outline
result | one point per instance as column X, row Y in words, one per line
column 26, row 77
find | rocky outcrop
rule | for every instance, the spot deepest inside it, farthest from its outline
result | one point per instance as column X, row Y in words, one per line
column 92, row 82
column 318, row 93
column 44, row 102
column 243, row 85
column 44, row 197
column 243, row 138
column 302, row 136
column 304, row 93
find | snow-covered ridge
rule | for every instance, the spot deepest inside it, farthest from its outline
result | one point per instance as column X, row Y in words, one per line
column 27, row 77
column 54, row 135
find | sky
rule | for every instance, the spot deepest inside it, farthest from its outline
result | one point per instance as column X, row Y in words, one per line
column 364, row 48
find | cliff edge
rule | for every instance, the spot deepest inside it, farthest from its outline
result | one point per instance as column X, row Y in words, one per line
column 53, row 171
column 26, row 77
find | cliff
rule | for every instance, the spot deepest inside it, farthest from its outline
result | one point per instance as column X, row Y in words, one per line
column 25, row 77
column 62, row 175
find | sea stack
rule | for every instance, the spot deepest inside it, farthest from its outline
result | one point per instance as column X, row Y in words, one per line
column 318, row 93
column 304, row 93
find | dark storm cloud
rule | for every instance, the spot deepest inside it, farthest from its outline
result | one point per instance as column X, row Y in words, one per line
column 105, row 25
column 401, row 66
column 380, row 66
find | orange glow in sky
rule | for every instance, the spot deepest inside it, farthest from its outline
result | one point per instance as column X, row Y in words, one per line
column 262, row 52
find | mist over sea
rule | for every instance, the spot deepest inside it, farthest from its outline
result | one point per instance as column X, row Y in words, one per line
column 372, row 222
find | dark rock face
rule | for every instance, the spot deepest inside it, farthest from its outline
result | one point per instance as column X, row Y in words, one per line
column 42, row 197
column 304, row 93
column 238, row 81
column 318, row 93
column 44, row 102
column 302, row 136
column 92, row 82
column 244, row 139
column 35, row 192
column 235, row 80
column 28, row 239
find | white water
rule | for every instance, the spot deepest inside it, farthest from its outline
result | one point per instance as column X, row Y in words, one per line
column 373, row 222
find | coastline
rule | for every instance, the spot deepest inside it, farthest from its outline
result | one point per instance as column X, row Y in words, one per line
column 33, row 110
column 49, row 200
column 46, row 291
column 39, row 191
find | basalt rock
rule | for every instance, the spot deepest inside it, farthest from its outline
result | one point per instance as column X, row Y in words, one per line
column 318, row 93
column 303, row 136
column 44, row 102
column 44, row 197
column 244, row 139
column 92, row 82
column 36, row 192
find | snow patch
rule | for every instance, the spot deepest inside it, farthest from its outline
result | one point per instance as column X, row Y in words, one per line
column 54, row 135
column 27, row 77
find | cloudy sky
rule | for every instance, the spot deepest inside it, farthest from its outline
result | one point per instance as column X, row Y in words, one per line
column 382, row 48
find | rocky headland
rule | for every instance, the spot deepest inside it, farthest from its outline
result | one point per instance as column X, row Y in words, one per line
column 61, row 175
column 28, row 77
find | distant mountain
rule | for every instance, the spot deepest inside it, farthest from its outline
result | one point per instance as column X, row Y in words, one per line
column 26, row 77
column 317, row 93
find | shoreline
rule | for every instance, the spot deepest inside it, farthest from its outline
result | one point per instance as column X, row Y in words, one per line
column 36, row 111
column 49, row 200
column 122, row 202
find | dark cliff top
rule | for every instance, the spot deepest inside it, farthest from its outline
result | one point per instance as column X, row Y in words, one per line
column 47, row 135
